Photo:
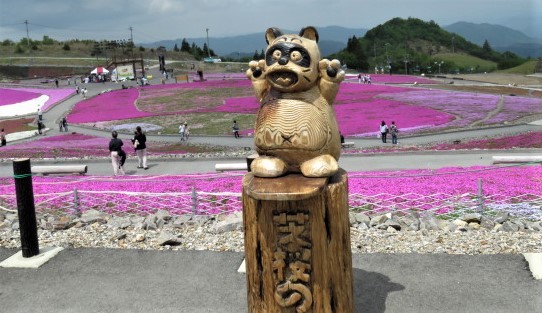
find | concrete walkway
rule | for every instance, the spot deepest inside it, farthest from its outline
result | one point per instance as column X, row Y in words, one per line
column 113, row 280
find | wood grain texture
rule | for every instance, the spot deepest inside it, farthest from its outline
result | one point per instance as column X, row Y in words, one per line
column 297, row 249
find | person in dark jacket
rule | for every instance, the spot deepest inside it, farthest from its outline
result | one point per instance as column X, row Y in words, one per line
column 140, row 146
column 118, row 156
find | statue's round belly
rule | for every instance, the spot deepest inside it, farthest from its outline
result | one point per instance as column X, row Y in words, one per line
column 291, row 125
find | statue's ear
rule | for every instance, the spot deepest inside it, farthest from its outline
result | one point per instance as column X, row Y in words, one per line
column 271, row 34
column 310, row 33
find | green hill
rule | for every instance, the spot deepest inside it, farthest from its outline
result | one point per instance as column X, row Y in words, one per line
column 415, row 46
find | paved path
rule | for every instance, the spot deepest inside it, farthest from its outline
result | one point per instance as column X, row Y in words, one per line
column 114, row 280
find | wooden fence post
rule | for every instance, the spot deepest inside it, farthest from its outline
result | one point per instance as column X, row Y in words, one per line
column 297, row 244
column 25, row 208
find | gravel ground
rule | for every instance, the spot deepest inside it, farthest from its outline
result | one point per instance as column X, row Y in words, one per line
column 224, row 233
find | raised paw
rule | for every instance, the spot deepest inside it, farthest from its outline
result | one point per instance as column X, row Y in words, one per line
column 255, row 69
column 268, row 167
column 331, row 70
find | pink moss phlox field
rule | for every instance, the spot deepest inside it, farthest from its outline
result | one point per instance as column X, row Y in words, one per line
column 108, row 106
column 71, row 146
column 411, row 189
column 55, row 95
column 359, row 110
column 394, row 79
column 515, row 107
column 468, row 107
column 11, row 96
column 527, row 140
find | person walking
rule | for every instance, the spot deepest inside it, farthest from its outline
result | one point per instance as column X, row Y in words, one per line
column 118, row 156
column 40, row 115
column 181, row 131
column 60, row 126
column 2, row 138
column 40, row 127
column 140, row 147
column 383, row 131
column 186, row 131
column 65, row 124
column 393, row 132
column 235, row 129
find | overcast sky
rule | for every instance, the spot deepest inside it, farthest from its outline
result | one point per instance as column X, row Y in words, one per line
column 154, row 20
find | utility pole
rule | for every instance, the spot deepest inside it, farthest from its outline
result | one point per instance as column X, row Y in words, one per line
column 208, row 49
column 131, row 35
column 27, row 37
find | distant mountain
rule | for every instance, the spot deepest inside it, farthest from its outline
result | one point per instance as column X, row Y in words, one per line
column 332, row 39
column 500, row 38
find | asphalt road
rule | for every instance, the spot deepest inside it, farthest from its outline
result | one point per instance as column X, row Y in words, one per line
column 109, row 280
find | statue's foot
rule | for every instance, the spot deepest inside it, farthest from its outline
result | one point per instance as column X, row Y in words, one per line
column 264, row 166
column 321, row 166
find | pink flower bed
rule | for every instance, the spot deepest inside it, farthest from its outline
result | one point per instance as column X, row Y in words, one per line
column 410, row 189
column 515, row 107
column 395, row 79
column 10, row 96
column 71, row 146
column 505, row 181
column 528, row 140
column 115, row 105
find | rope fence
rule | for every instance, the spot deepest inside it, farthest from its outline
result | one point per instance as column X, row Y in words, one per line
column 122, row 203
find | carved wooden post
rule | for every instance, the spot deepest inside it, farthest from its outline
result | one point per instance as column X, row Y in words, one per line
column 297, row 244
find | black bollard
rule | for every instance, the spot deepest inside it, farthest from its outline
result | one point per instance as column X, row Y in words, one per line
column 25, row 207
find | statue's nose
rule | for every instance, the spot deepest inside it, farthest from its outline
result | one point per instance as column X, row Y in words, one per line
column 283, row 61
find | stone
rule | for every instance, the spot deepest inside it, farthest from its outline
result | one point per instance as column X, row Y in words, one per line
column 121, row 222
column 231, row 224
column 411, row 222
column 163, row 214
column 92, row 216
column 487, row 223
column 64, row 222
column 15, row 225
column 5, row 225
column 428, row 221
column 393, row 223
column 140, row 237
column 167, row 238
column 502, row 217
column 2, row 217
column 510, row 226
column 474, row 225
column 472, row 217
column 377, row 220
column 361, row 217
column 443, row 225
column 363, row 226
column 534, row 226
column 181, row 221
column 460, row 223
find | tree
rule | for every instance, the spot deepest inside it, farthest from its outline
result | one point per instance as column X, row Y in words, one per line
column 176, row 48
column 487, row 47
column 66, row 47
column 185, row 46
column 47, row 40
column 141, row 48
column 256, row 56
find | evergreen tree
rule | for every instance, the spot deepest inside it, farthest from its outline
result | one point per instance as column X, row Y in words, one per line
column 487, row 47
column 256, row 56
column 176, row 48
column 185, row 46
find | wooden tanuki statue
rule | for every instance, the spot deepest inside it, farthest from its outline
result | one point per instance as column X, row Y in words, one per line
column 296, row 129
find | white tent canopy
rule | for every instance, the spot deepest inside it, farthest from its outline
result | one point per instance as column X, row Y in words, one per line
column 99, row 70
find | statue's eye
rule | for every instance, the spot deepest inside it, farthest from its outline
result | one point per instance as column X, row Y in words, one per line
column 295, row 56
column 277, row 54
